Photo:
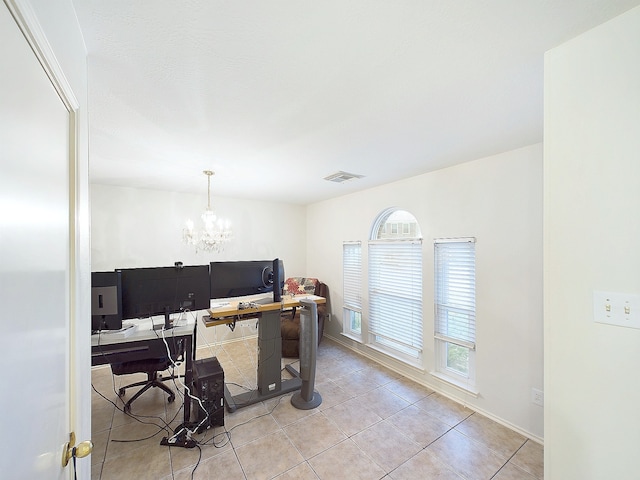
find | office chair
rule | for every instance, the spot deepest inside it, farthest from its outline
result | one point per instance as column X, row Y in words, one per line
column 149, row 366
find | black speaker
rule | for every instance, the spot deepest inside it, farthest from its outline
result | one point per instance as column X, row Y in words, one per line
column 278, row 280
column 208, row 383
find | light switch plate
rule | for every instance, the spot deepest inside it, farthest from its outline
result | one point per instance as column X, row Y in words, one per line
column 613, row 308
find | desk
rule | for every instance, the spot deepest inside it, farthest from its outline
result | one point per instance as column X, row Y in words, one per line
column 147, row 343
column 270, row 383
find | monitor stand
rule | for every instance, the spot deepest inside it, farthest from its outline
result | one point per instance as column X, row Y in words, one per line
column 167, row 320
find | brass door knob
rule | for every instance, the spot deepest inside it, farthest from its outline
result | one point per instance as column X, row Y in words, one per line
column 78, row 451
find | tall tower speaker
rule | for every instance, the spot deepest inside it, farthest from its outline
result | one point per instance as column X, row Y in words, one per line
column 307, row 398
column 208, row 381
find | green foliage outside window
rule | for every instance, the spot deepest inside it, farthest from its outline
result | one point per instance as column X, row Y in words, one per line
column 458, row 358
column 356, row 321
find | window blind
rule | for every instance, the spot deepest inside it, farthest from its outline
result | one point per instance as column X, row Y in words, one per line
column 352, row 274
column 395, row 292
column 455, row 291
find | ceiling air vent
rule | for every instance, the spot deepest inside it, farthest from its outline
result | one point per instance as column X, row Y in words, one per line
column 340, row 177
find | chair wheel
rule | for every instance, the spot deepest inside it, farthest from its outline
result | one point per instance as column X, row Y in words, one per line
column 121, row 392
column 171, row 398
column 127, row 408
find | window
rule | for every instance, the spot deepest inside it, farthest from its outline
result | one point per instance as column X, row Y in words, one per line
column 352, row 288
column 455, row 308
column 395, row 287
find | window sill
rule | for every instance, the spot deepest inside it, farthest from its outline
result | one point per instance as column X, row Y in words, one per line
column 355, row 338
column 467, row 389
column 406, row 360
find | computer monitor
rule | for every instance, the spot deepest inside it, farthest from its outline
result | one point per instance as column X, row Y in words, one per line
column 106, row 301
column 163, row 290
column 251, row 277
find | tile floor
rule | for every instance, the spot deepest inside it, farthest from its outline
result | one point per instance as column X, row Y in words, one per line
column 372, row 424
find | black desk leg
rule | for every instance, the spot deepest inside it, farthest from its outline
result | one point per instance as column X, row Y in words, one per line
column 270, row 384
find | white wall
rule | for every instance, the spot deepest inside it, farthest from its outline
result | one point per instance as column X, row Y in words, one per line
column 592, row 232
column 143, row 228
column 496, row 199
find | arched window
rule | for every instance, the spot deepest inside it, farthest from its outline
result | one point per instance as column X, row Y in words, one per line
column 395, row 285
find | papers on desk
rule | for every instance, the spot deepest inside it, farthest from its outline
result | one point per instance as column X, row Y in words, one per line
column 315, row 298
column 219, row 304
column 124, row 332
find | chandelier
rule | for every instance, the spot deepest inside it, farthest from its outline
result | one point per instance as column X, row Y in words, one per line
column 215, row 231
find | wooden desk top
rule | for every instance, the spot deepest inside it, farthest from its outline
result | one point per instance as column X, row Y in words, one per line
column 227, row 313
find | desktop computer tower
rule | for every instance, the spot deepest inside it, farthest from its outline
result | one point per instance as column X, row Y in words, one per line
column 208, row 386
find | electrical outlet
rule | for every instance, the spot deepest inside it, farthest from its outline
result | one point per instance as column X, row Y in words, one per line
column 537, row 397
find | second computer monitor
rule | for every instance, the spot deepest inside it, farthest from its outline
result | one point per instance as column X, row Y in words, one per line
column 162, row 290
column 251, row 277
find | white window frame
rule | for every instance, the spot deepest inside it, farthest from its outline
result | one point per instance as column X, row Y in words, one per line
column 352, row 288
column 395, row 314
column 460, row 279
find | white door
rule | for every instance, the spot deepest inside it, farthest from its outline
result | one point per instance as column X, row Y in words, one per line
column 36, row 250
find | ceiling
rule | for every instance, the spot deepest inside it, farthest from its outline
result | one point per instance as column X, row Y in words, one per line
column 276, row 95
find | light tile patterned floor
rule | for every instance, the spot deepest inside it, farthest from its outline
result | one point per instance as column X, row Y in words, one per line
column 372, row 424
